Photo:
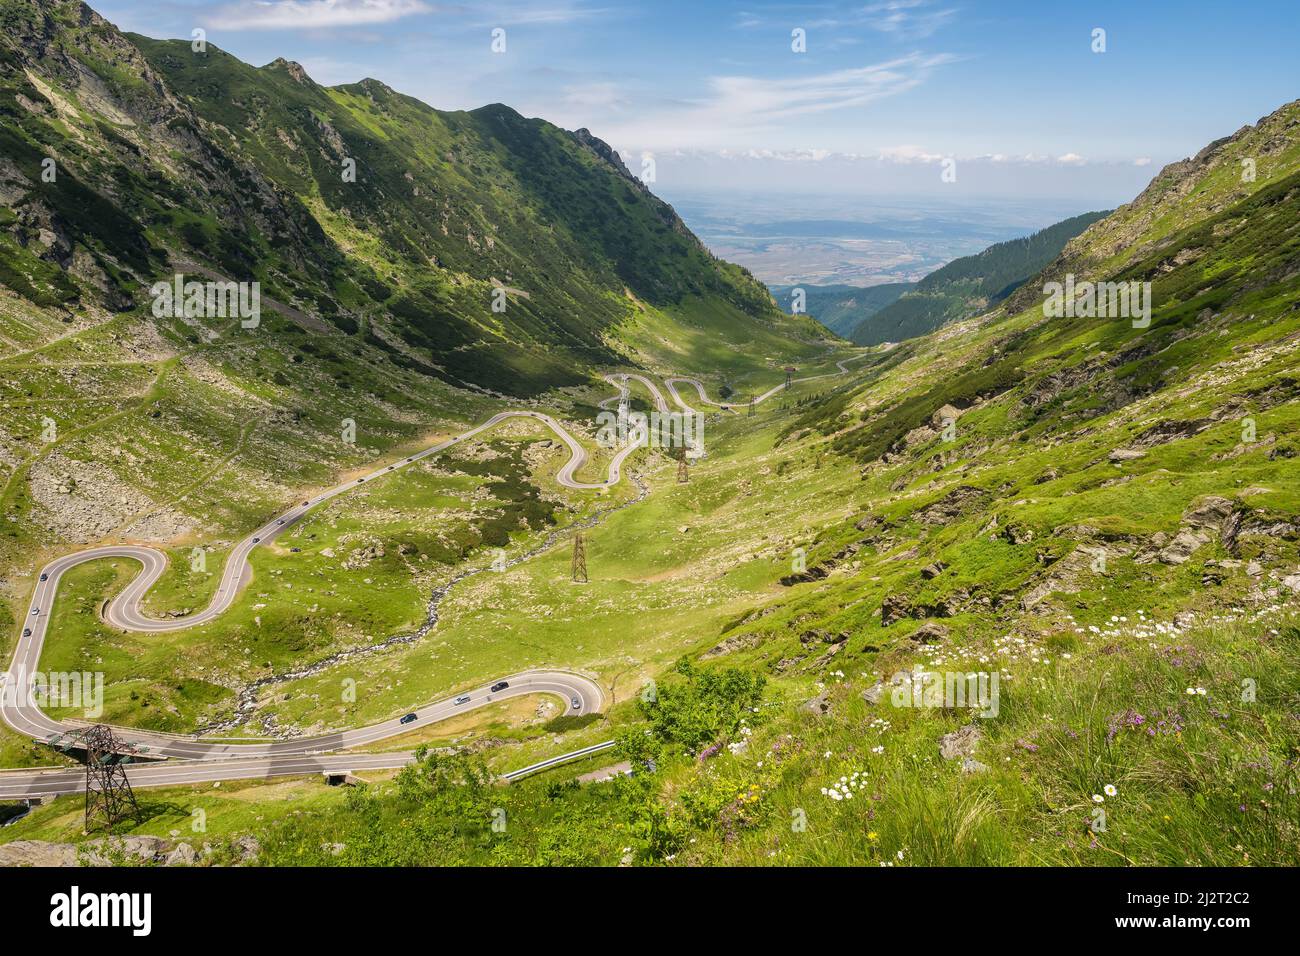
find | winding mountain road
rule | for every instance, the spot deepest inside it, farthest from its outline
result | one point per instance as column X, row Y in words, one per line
column 20, row 710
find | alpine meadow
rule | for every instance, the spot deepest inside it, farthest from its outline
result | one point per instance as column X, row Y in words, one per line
column 395, row 485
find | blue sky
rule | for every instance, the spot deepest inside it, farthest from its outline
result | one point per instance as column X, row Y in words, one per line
column 1011, row 90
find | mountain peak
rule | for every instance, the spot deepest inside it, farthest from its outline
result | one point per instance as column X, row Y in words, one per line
column 293, row 68
column 606, row 152
column 1222, row 173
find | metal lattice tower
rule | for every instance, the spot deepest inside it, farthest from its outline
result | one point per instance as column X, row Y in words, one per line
column 683, row 470
column 751, row 408
column 109, row 797
column 579, row 559
column 789, row 371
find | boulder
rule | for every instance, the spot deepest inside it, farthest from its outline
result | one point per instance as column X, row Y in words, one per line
column 820, row 705
column 929, row 633
column 1018, row 534
column 183, row 855
column 1182, row 547
column 959, row 743
column 249, row 848
column 944, row 414
column 1125, row 454
column 932, row 571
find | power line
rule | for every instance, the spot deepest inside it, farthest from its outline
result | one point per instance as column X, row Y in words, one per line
column 109, row 797
column 579, row 558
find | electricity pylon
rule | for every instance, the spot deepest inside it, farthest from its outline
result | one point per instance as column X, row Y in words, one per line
column 109, row 797
column 579, row 559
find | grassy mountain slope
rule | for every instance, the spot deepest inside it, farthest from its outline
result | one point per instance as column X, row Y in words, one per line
column 187, row 432
column 170, row 156
column 842, row 308
column 1111, row 527
column 1103, row 515
column 969, row 285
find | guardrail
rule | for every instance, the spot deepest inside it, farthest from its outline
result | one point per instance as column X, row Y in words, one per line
column 554, row 761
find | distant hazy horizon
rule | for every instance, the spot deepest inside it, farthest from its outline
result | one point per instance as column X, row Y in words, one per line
column 833, row 239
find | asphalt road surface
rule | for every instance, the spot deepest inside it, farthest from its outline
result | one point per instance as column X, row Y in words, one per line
column 301, row 754
column 34, row 784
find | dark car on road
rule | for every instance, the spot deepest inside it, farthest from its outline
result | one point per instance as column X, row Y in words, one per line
column 499, row 686
column 45, row 577
column 407, row 719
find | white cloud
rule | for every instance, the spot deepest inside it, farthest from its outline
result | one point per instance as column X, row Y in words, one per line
column 741, row 109
column 909, row 154
column 1142, row 161
column 906, row 19
column 556, row 13
column 902, row 155
column 311, row 14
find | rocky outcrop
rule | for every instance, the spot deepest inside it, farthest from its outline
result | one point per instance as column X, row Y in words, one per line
column 1213, row 517
column 1165, row 432
column 895, row 608
column 951, row 506
column 114, row 851
column 734, row 643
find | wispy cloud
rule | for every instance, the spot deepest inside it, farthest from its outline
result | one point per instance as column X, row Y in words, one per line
column 903, row 20
column 311, row 14
column 768, row 100
column 737, row 108
column 741, row 110
column 516, row 14
column 906, row 19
